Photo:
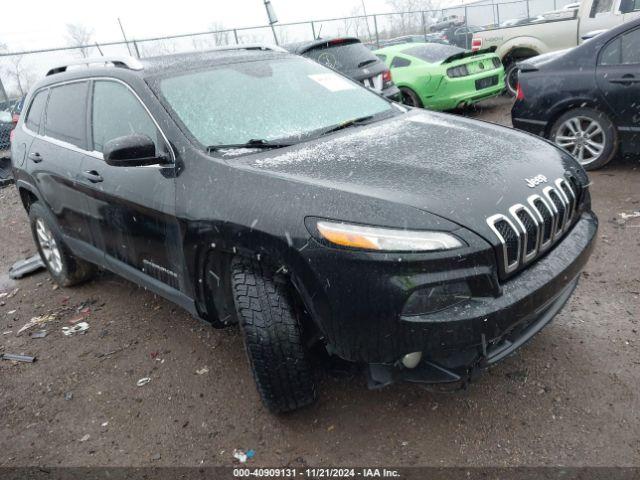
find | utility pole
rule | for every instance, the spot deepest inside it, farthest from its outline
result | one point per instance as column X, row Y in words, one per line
column 366, row 19
column 271, row 14
column 124, row 36
column 3, row 92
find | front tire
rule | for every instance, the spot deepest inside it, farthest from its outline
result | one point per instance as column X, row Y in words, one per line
column 588, row 135
column 65, row 268
column 272, row 336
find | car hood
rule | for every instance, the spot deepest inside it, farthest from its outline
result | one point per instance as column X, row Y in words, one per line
column 459, row 169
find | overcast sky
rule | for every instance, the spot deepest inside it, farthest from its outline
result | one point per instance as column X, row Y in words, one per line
column 44, row 26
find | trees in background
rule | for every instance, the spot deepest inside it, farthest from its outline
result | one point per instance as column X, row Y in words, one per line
column 79, row 35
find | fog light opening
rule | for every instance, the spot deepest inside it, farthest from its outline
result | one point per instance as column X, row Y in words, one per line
column 411, row 360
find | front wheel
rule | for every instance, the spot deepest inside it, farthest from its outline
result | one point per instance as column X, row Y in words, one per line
column 65, row 268
column 586, row 134
column 272, row 336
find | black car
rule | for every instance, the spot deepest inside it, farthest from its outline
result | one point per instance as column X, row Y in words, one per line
column 587, row 99
column 351, row 58
column 256, row 187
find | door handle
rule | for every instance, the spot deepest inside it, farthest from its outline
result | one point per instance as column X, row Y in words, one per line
column 92, row 176
column 625, row 80
column 35, row 157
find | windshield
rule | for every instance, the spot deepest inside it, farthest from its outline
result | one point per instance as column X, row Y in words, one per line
column 342, row 57
column 433, row 52
column 267, row 100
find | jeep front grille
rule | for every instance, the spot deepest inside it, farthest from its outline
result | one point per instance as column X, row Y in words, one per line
column 527, row 230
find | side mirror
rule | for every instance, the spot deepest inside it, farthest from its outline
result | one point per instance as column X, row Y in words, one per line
column 134, row 150
column 627, row 6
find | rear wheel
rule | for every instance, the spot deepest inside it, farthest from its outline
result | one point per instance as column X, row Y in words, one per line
column 65, row 268
column 272, row 336
column 511, row 79
column 411, row 98
column 586, row 134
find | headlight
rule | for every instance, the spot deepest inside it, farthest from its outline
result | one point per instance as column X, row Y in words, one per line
column 386, row 239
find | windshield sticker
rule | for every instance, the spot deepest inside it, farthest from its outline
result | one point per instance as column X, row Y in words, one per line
column 332, row 82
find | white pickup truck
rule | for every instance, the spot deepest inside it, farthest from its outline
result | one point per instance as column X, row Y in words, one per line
column 560, row 29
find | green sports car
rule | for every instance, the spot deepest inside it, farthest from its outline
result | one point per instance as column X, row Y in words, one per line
column 443, row 77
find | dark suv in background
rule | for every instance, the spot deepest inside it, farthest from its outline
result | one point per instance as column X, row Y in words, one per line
column 256, row 187
column 350, row 57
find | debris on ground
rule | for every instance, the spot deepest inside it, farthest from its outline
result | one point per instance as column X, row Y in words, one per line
column 202, row 371
column 18, row 358
column 13, row 293
column 77, row 328
column 68, row 396
column 624, row 217
column 85, row 438
column 156, row 456
column 42, row 319
column 25, row 267
column 627, row 216
column 243, row 456
column 39, row 334
column 143, row 381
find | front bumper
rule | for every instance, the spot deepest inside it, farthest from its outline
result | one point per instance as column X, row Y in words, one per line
column 361, row 303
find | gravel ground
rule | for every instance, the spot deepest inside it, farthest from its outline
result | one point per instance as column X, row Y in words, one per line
column 570, row 397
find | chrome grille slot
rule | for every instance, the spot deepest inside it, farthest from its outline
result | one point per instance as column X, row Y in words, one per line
column 575, row 186
column 569, row 196
column 560, row 210
column 528, row 230
column 546, row 217
column 510, row 239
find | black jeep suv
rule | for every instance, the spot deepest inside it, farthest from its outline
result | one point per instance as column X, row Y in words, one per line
column 257, row 187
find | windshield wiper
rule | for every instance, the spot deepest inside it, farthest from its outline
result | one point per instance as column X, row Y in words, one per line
column 367, row 62
column 253, row 143
column 349, row 123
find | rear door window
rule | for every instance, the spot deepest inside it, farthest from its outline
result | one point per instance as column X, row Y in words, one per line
column 65, row 118
column 116, row 113
column 624, row 50
column 631, row 48
column 34, row 117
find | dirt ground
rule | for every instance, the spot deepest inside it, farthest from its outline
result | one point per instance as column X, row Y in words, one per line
column 570, row 397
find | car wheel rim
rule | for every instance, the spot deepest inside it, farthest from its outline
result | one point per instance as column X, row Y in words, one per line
column 407, row 99
column 49, row 247
column 512, row 80
column 582, row 137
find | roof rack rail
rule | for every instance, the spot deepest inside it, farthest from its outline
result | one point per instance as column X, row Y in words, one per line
column 249, row 46
column 120, row 62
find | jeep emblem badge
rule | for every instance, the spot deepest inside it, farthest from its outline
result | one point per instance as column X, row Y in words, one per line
column 537, row 180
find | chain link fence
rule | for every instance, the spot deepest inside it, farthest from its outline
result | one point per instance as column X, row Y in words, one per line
column 19, row 70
